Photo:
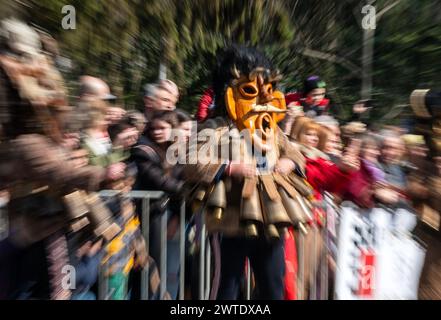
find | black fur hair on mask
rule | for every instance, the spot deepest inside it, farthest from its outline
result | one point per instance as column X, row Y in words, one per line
column 240, row 60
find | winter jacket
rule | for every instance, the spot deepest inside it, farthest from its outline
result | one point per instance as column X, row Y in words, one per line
column 324, row 175
column 155, row 175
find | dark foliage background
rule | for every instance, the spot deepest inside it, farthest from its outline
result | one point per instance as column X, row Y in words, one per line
column 125, row 41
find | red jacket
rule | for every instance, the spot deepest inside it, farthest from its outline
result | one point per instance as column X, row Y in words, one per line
column 360, row 188
column 300, row 100
column 324, row 175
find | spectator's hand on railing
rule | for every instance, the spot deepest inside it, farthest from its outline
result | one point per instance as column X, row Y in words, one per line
column 142, row 258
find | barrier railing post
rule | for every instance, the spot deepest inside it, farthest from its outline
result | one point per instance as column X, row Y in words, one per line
column 201, row 258
column 301, row 266
column 313, row 275
column 207, row 269
column 248, row 288
column 163, row 255
column 102, row 283
column 324, row 264
column 145, row 229
column 182, row 253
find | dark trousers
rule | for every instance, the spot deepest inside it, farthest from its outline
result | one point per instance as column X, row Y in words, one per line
column 267, row 262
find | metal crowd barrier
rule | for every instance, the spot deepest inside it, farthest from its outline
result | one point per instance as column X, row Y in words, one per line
column 145, row 197
column 319, row 266
column 204, row 257
column 318, row 285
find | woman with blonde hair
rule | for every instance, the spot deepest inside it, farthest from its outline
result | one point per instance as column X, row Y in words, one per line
column 297, row 126
column 329, row 143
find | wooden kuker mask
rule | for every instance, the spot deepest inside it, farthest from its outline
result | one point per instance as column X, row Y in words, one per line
column 253, row 103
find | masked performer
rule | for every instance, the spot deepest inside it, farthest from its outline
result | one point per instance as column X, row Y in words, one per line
column 250, row 181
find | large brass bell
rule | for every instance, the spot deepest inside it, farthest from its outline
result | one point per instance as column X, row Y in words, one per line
column 293, row 208
column 276, row 217
column 217, row 201
column 300, row 185
column 251, row 214
column 272, row 233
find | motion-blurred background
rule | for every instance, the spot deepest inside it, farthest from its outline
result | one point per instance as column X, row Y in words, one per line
column 125, row 42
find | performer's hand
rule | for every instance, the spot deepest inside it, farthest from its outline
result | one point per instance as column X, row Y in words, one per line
column 241, row 170
column 285, row 166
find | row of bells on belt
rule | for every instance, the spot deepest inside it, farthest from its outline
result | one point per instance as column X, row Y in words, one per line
column 258, row 211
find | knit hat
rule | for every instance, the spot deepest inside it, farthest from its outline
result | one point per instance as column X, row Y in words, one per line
column 311, row 83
